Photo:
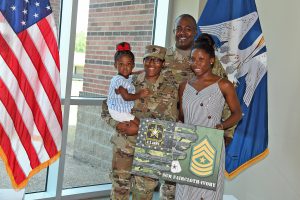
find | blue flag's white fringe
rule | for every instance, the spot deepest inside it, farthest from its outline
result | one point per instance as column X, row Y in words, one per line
column 241, row 48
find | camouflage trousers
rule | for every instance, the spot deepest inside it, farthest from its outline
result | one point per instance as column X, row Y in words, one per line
column 167, row 191
column 123, row 182
column 120, row 175
column 143, row 187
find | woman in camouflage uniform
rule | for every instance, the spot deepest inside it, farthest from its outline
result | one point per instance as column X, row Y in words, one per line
column 160, row 104
column 178, row 70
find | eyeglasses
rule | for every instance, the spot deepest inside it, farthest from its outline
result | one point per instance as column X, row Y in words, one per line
column 148, row 60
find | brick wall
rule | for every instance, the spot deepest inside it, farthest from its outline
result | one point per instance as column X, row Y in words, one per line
column 111, row 22
column 92, row 138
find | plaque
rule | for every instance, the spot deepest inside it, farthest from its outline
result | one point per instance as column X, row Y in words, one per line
column 178, row 152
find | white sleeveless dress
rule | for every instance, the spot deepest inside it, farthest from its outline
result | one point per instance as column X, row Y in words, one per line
column 203, row 108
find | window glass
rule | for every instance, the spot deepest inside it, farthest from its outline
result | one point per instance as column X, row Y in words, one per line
column 88, row 155
column 100, row 26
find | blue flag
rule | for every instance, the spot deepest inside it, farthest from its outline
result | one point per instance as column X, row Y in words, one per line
column 241, row 49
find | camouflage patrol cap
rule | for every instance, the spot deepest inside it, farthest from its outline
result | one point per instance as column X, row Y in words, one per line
column 155, row 51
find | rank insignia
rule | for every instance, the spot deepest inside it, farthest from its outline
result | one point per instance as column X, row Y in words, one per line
column 203, row 158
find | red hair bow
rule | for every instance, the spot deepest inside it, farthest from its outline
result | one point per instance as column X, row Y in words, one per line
column 124, row 46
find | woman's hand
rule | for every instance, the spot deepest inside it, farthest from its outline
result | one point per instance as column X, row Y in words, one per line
column 127, row 128
column 143, row 93
column 220, row 126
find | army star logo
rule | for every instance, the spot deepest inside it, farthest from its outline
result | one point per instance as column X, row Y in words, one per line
column 154, row 134
column 203, row 158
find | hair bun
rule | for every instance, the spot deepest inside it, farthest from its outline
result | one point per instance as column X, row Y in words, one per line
column 123, row 46
column 205, row 38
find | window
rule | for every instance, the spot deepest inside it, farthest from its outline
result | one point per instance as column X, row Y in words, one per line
column 86, row 155
column 100, row 26
column 82, row 171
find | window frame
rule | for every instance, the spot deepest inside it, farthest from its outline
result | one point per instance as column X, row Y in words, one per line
column 68, row 21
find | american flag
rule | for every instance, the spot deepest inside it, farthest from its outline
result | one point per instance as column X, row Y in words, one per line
column 30, row 108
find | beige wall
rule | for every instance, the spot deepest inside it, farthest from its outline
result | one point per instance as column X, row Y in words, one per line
column 276, row 177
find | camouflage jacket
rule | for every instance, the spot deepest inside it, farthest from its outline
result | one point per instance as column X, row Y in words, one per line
column 162, row 103
column 218, row 69
column 177, row 62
